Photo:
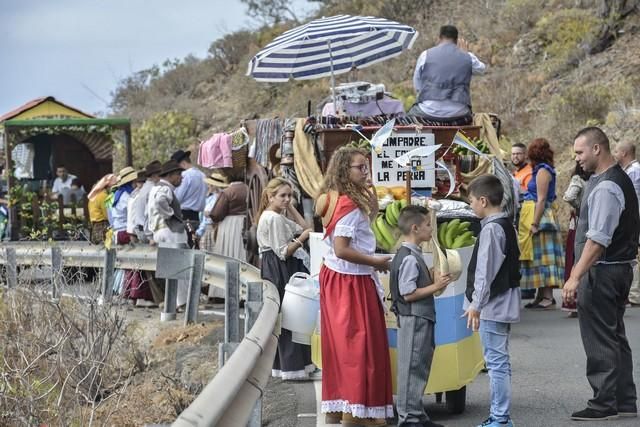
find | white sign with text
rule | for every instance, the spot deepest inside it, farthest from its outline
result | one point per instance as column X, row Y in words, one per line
column 388, row 173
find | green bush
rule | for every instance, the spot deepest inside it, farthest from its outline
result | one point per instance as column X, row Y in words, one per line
column 562, row 32
column 162, row 134
column 592, row 102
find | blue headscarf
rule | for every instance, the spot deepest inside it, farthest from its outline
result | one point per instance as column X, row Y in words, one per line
column 124, row 188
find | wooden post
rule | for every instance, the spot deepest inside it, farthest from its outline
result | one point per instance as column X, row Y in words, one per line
column 74, row 212
column 408, row 183
column 127, row 145
column 35, row 211
column 11, row 182
column 85, row 212
column 60, row 213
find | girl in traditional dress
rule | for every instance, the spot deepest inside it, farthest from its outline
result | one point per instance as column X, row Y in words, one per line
column 98, row 214
column 118, row 219
column 356, row 374
column 542, row 249
column 229, row 215
column 280, row 242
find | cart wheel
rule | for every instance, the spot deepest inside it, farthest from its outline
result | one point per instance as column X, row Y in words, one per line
column 456, row 400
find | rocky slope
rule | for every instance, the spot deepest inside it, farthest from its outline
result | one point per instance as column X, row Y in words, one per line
column 554, row 67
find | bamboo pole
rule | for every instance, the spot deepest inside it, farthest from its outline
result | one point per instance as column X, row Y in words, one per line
column 408, row 184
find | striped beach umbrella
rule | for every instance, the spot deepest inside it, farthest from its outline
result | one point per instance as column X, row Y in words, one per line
column 329, row 46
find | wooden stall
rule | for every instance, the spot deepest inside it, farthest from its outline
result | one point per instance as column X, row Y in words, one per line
column 56, row 134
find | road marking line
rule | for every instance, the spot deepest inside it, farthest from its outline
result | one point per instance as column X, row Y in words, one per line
column 306, row 415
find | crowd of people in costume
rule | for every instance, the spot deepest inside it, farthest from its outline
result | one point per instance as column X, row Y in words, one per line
column 511, row 256
column 171, row 202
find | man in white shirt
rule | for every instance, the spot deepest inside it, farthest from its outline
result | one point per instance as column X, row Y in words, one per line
column 63, row 180
column 625, row 154
column 442, row 81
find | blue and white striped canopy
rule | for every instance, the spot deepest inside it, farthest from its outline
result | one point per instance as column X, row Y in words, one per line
column 305, row 52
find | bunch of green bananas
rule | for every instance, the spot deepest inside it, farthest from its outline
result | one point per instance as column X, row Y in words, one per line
column 479, row 143
column 363, row 144
column 392, row 212
column 455, row 234
column 385, row 238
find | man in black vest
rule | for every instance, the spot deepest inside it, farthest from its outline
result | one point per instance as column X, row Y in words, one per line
column 442, row 80
column 606, row 248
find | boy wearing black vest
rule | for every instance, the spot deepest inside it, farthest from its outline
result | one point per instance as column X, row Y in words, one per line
column 493, row 291
column 412, row 290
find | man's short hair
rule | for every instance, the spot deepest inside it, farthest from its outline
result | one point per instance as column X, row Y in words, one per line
column 629, row 148
column 489, row 187
column 594, row 135
column 519, row 145
column 61, row 167
column 449, row 32
column 412, row 215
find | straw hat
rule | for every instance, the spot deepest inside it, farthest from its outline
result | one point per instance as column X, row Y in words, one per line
column 217, row 180
column 326, row 206
column 126, row 175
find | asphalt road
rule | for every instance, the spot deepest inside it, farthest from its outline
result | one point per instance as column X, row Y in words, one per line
column 548, row 374
column 549, row 381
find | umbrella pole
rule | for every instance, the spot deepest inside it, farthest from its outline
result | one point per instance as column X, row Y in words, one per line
column 333, row 79
column 408, row 183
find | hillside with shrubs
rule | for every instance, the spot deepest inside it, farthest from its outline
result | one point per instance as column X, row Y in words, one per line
column 554, row 66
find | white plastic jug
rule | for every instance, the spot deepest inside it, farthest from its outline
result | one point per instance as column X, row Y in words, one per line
column 300, row 307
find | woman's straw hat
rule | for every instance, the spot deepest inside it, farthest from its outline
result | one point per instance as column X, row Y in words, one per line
column 217, row 180
column 326, row 206
column 126, row 175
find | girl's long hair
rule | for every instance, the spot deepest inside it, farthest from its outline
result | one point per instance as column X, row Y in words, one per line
column 337, row 177
column 270, row 190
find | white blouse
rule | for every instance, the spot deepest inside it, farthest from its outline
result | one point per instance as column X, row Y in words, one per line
column 355, row 225
column 275, row 232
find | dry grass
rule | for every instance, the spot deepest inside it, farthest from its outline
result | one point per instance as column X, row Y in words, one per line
column 72, row 362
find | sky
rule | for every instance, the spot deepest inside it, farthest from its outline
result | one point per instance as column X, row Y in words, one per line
column 78, row 50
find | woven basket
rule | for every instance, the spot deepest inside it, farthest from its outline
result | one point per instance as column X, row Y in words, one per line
column 239, row 149
column 239, row 157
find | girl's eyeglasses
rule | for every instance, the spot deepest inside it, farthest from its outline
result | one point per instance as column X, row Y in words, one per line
column 364, row 168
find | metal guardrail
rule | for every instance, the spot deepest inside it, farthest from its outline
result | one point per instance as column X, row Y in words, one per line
column 230, row 397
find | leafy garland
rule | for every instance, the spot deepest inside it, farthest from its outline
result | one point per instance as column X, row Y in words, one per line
column 27, row 132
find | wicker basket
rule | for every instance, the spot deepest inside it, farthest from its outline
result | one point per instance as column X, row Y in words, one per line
column 239, row 157
column 239, row 149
